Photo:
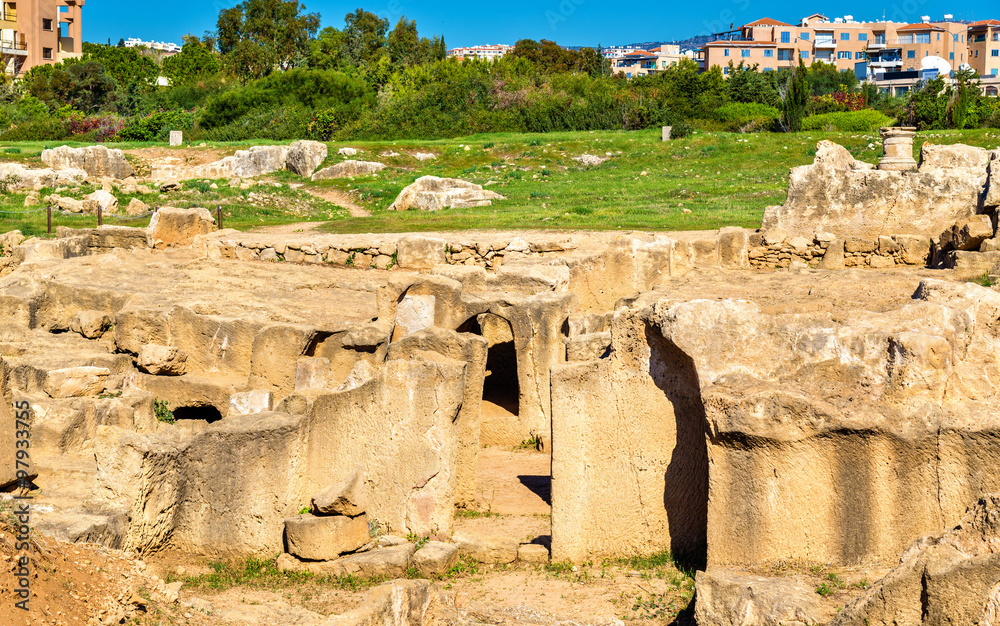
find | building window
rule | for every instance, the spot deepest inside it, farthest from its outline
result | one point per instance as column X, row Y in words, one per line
column 786, row 55
column 768, row 69
column 786, row 37
column 47, row 54
column 845, row 36
column 923, row 38
column 939, row 36
column 46, row 24
column 769, row 53
column 725, row 71
column 804, row 36
column 994, row 72
column 726, row 52
column 956, row 38
column 745, row 54
column 804, row 54
column 911, row 54
column 995, row 53
column 905, row 39
column 859, row 55
column 862, row 36
column 951, row 56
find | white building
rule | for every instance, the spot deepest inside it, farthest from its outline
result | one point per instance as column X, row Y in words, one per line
column 488, row 52
column 169, row 48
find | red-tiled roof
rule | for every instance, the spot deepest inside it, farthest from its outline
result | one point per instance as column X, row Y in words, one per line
column 766, row 21
column 985, row 23
column 919, row 27
column 641, row 53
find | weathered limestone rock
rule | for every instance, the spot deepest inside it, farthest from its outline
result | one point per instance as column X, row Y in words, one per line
column 90, row 324
column 343, row 498
column 256, row 161
column 833, row 258
column 178, row 227
column 430, row 193
column 136, row 207
column 9, row 415
column 956, row 156
column 969, row 234
column 347, row 169
column 39, row 178
column 416, row 252
column 305, row 156
column 325, row 538
column 950, row 577
column 96, row 161
column 533, row 553
column 104, row 200
column 590, row 159
column 400, row 602
column 992, row 198
column 486, row 548
column 849, row 200
column 72, row 382
column 346, row 151
column 386, row 562
column 250, row 402
column 734, row 248
column 162, row 360
column 435, row 558
column 588, row 347
column 725, row 598
column 71, row 205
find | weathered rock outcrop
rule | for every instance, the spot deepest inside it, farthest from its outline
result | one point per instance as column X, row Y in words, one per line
column 952, row 577
column 850, row 199
column 724, row 598
column 39, row 178
column 256, row 161
column 347, row 169
column 179, row 227
column 430, row 193
column 96, row 161
column 305, row 156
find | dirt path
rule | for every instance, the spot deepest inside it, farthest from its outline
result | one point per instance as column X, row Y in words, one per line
column 340, row 199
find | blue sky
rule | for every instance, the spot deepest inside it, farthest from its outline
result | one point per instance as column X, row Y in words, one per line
column 568, row 22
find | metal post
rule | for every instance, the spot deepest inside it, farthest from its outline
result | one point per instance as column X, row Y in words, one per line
column 100, row 217
column 219, row 218
column 49, row 211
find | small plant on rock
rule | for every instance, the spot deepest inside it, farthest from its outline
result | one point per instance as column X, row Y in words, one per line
column 161, row 408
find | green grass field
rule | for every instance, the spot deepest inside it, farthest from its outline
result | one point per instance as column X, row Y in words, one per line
column 704, row 181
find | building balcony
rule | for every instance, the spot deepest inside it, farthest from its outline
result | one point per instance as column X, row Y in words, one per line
column 885, row 62
column 18, row 48
column 876, row 45
column 826, row 43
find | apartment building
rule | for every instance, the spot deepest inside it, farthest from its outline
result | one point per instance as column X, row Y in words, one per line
column 39, row 32
column 644, row 62
column 167, row 48
column 487, row 52
column 882, row 46
column 984, row 47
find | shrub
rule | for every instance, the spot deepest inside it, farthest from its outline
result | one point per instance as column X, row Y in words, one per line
column 849, row 121
column 681, row 130
column 157, row 126
column 45, row 129
column 748, row 116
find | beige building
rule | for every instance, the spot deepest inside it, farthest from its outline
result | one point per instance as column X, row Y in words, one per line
column 846, row 43
column 984, row 47
column 643, row 62
column 39, row 32
column 488, row 52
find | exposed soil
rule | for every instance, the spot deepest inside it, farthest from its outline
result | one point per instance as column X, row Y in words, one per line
column 180, row 156
column 339, row 198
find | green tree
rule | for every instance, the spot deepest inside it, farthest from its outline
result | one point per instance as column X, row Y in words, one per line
column 928, row 106
column 364, row 37
column 796, row 99
column 965, row 108
column 125, row 65
column 193, row 63
column 257, row 37
column 747, row 84
column 83, row 86
column 403, row 44
column 326, row 52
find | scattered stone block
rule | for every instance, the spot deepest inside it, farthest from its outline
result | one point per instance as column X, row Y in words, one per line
column 325, row 538
column 734, row 248
column 176, row 138
column 431, row 193
column 532, row 553
column 96, row 161
column 162, row 360
column 136, row 207
column 250, row 402
column 435, row 558
column 178, row 227
column 74, row 382
column 343, row 498
column 312, row 373
column 970, row 233
column 388, row 562
column 348, row 169
column 486, row 548
column 725, row 598
column 833, row 258
column 90, row 324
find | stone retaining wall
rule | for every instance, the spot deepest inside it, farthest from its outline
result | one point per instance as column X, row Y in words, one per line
column 774, row 250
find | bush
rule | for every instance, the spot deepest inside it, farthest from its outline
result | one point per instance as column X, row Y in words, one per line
column 681, row 130
column 850, row 121
column 748, row 117
column 157, row 126
column 44, row 129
